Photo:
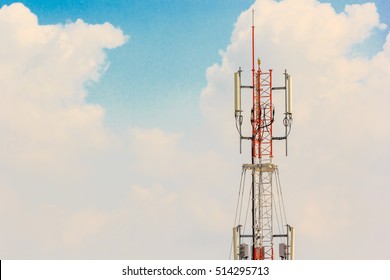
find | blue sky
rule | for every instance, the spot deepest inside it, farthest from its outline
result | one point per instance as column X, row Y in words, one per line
column 154, row 138
column 163, row 64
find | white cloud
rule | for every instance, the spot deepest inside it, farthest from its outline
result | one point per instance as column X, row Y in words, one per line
column 155, row 152
column 50, row 135
column 81, row 226
column 73, row 189
column 44, row 71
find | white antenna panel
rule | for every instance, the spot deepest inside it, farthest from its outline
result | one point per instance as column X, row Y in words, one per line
column 237, row 93
column 289, row 94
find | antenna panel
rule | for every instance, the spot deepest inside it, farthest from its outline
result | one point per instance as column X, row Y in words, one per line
column 237, row 94
column 289, row 94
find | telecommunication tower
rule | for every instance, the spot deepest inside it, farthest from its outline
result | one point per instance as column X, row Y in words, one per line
column 263, row 171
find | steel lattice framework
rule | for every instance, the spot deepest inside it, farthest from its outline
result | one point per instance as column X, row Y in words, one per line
column 262, row 171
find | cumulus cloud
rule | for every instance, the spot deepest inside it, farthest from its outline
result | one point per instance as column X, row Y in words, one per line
column 44, row 72
column 74, row 189
column 48, row 130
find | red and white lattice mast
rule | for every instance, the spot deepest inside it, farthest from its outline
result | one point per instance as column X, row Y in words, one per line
column 262, row 168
